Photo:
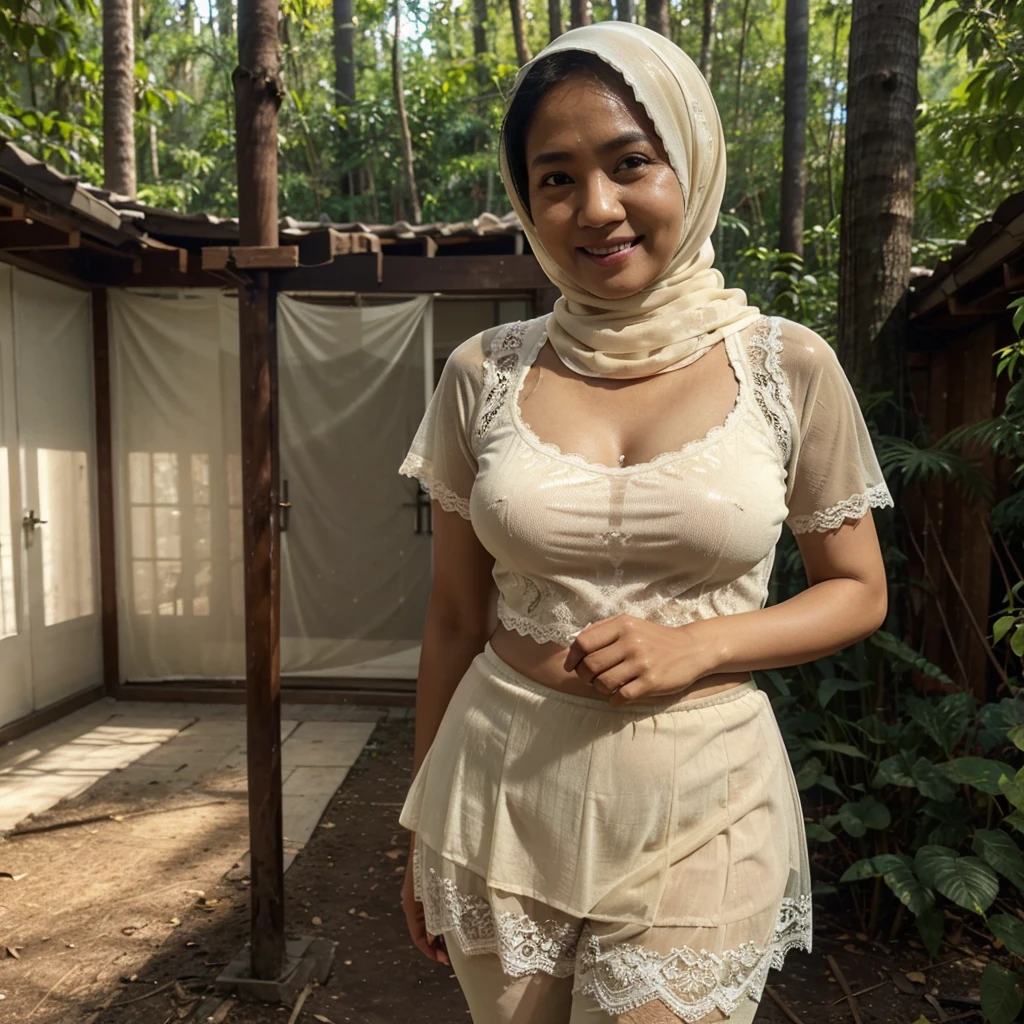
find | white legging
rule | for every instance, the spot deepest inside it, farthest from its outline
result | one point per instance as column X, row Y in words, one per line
column 495, row 998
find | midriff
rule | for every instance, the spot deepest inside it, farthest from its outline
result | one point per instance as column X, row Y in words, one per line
column 542, row 662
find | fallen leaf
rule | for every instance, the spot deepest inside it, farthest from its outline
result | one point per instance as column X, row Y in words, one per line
column 328, row 824
column 393, row 854
column 174, row 921
column 117, row 817
column 13, row 951
column 363, row 913
column 318, row 920
column 13, row 878
column 323, row 1020
column 129, row 930
column 916, row 976
column 179, row 991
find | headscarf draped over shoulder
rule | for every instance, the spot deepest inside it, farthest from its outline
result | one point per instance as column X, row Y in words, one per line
column 685, row 311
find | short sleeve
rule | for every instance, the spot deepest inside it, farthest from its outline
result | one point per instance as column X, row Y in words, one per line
column 833, row 472
column 441, row 456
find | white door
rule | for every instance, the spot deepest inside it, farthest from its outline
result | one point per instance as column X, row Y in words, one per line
column 56, row 435
column 15, row 652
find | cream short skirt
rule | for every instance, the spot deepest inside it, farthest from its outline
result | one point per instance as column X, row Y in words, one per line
column 653, row 852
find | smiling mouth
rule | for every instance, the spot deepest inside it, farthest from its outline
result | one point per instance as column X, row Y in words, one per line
column 610, row 250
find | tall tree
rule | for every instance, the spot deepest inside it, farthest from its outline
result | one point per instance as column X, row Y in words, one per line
column 225, row 18
column 480, row 41
column 657, row 16
column 625, row 10
column 403, row 120
column 119, row 97
column 344, row 53
column 579, row 13
column 878, row 189
column 794, row 130
column 707, row 38
column 518, row 32
column 555, row 24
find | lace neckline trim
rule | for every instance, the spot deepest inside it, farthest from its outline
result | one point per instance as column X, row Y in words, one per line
column 526, row 433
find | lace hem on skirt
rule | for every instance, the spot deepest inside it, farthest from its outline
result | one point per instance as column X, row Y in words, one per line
column 692, row 983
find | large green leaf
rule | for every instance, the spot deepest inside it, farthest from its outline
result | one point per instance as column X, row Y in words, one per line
column 980, row 773
column 860, row 870
column 931, row 925
column 828, row 688
column 858, row 816
column 818, row 833
column 1000, row 851
column 945, row 721
column 967, row 881
column 902, row 652
column 808, row 773
column 1001, row 998
column 931, row 782
column 836, row 748
column 1009, row 931
column 898, row 873
column 894, row 771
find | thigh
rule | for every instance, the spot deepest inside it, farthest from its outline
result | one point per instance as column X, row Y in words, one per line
column 496, row 998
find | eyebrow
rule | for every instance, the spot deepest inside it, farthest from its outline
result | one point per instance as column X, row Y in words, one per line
column 625, row 139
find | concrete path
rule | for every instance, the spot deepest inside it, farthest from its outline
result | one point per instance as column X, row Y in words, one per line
column 172, row 746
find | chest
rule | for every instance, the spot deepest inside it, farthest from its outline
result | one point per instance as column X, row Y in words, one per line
column 624, row 423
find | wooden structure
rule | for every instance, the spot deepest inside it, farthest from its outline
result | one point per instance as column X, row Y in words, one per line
column 958, row 319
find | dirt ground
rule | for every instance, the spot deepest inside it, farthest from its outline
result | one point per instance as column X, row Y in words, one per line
column 155, row 930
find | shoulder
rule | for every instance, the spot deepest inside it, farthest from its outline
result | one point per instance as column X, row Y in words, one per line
column 803, row 352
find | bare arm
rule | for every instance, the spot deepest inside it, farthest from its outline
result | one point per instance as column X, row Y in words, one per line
column 458, row 621
column 846, row 601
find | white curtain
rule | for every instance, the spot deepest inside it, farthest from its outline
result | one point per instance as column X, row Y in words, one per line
column 355, row 577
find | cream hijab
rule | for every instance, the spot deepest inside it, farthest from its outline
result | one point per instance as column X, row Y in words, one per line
column 680, row 315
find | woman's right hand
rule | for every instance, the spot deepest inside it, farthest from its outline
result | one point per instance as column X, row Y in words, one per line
column 432, row 946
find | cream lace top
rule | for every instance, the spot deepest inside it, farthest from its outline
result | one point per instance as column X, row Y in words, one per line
column 688, row 535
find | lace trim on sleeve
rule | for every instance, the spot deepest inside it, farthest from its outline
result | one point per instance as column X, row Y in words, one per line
column 421, row 469
column 854, row 507
column 771, row 389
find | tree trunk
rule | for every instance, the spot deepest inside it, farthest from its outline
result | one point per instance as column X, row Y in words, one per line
column 225, row 18
column 344, row 53
column 480, row 41
column 624, row 10
column 519, row 32
column 707, row 39
column 555, row 25
column 794, row 132
column 657, row 16
column 118, row 97
column 579, row 13
column 396, row 75
column 154, row 152
column 878, row 190
column 744, row 30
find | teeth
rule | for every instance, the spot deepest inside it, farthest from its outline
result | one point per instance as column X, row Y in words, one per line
column 609, row 249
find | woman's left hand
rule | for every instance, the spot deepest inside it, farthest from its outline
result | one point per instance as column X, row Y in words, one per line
column 627, row 658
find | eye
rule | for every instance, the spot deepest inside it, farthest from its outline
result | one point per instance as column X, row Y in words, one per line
column 633, row 162
column 555, row 178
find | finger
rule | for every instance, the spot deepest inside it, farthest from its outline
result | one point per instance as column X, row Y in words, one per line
column 617, row 677
column 600, row 662
column 592, row 637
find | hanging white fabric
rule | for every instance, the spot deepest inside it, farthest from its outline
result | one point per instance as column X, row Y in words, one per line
column 354, row 581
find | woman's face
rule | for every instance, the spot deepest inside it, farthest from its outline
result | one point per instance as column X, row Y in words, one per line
column 604, row 200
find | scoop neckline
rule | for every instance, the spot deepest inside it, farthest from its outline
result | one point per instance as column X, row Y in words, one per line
column 552, row 450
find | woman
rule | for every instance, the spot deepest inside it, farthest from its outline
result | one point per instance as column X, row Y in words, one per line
column 605, row 823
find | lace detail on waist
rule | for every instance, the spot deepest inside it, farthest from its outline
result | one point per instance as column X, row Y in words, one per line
column 690, row 983
column 419, row 468
column 771, row 389
column 543, row 633
column 854, row 507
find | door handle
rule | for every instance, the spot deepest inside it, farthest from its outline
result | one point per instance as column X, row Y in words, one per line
column 285, row 505
column 31, row 521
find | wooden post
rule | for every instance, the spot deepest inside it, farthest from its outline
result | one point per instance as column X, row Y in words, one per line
column 105, row 492
column 258, row 92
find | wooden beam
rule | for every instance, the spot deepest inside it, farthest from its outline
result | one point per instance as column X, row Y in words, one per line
column 22, row 235
column 258, row 92
column 12, row 211
column 451, row 274
column 105, row 491
column 37, row 719
column 265, row 257
column 380, row 692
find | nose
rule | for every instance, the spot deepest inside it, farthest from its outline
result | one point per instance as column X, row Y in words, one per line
column 599, row 203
